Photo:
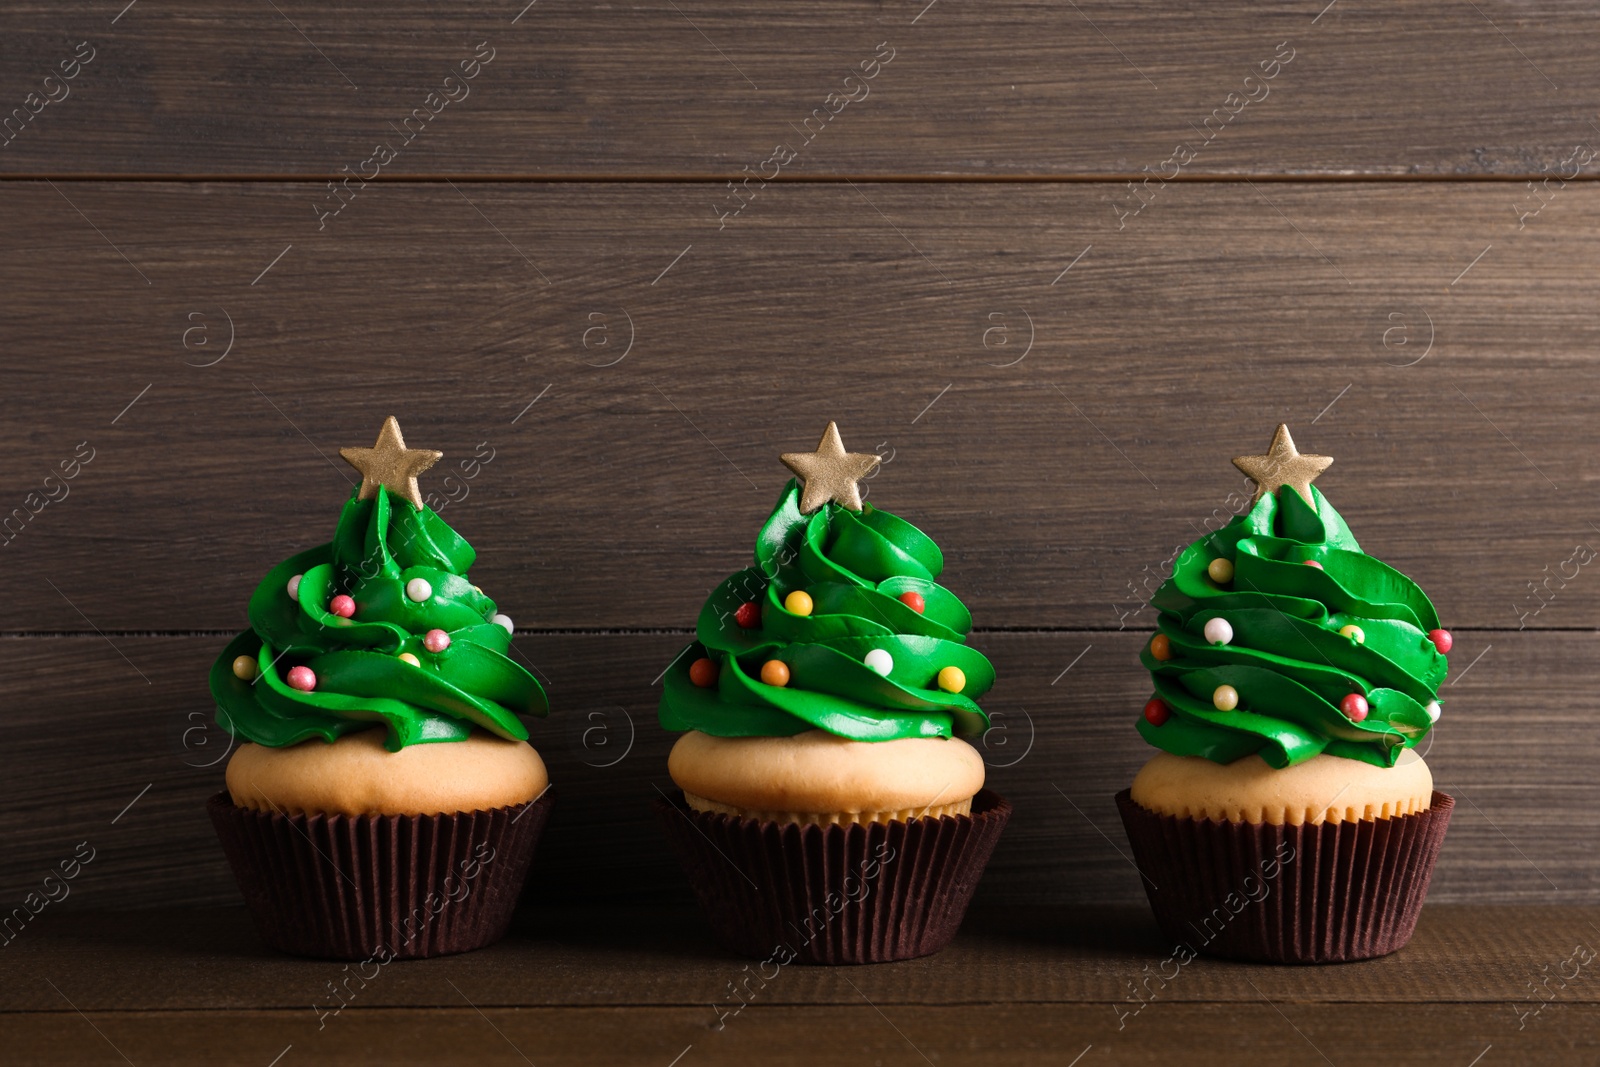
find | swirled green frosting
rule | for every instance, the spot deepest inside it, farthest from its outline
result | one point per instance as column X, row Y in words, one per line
column 381, row 544
column 1287, row 659
column 855, row 566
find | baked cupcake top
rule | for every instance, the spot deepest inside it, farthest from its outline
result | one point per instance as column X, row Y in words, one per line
column 1279, row 636
column 381, row 626
column 839, row 625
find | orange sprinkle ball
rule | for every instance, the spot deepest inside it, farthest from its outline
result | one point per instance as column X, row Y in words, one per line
column 703, row 672
column 775, row 672
column 914, row 601
column 1161, row 647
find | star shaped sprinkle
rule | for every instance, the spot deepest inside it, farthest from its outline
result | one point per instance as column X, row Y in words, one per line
column 390, row 464
column 830, row 473
column 1283, row 465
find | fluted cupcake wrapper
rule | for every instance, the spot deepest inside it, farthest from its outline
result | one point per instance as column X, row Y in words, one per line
column 1287, row 894
column 862, row 893
column 380, row 887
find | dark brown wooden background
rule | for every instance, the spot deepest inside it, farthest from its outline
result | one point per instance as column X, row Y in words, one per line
column 542, row 273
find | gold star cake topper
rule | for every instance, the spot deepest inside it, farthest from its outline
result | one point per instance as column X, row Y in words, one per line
column 390, row 464
column 1283, row 465
column 830, row 473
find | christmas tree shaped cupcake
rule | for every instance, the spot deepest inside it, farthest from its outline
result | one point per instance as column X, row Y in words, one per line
column 1288, row 817
column 831, row 811
column 385, row 803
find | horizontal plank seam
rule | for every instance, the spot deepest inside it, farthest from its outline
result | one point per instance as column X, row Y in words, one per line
column 679, row 631
column 802, row 1004
column 709, row 178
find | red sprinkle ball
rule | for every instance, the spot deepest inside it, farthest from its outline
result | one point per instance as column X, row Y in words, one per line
column 1354, row 706
column 342, row 606
column 1442, row 641
column 703, row 672
column 1312, row 563
column 1156, row 712
column 748, row 615
column 914, row 601
column 435, row 640
column 302, row 678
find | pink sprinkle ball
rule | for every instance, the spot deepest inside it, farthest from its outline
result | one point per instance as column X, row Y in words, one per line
column 435, row 640
column 1312, row 563
column 1442, row 641
column 302, row 678
column 342, row 606
column 1354, row 706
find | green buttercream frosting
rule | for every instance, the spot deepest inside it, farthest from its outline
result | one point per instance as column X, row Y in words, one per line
column 1287, row 659
column 381, row 545
column 855, row 566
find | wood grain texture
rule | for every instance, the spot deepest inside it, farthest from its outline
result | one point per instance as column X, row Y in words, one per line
column 1055, row 362
column 563, row 956
column 1524, row 822
column 630, row 985
column 1013, row 88
column 1203, row 1034
column 1057, row 481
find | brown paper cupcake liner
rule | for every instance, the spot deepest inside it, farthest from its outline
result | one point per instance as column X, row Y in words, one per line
column 1287, row 894
column 860, row 893
column 380, row 887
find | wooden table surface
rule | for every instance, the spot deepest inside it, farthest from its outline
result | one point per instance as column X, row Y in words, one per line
column 1479, row 984
column 1055, row 262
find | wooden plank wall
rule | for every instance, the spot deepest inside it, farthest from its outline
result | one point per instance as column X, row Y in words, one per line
column 1391, row 247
